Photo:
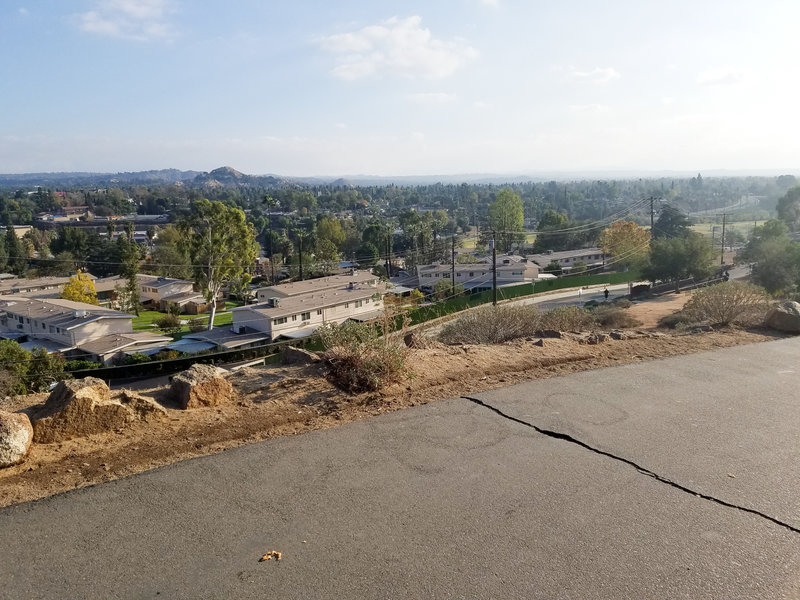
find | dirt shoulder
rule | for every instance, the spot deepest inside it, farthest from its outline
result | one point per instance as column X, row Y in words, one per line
column 290, row 400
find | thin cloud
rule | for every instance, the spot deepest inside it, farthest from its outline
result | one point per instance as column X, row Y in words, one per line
column 598, row 75
column 396, row 46
column 141, row 20
column 719, row 77
column 432, row 98
column 589, row 109
column 22, row 11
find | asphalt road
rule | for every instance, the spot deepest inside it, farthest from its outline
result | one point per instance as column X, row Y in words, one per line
column 666, row 479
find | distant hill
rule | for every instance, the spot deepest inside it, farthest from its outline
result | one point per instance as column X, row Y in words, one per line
column 230, row 177
column 85, row 179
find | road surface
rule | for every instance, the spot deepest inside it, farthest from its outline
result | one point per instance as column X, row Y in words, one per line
column 674, row 478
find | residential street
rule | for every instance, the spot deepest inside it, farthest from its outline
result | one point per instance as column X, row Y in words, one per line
column 666, row 479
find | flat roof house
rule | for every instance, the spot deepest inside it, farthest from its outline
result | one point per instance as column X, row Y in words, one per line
column 299, row 315
column 75, row 329
column 309, row 286
column 511, row 270
column 593, row 257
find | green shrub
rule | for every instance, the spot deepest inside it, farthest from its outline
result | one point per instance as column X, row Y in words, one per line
column 169, row 324
column 732, row 302
column 492, row 325
column 358, row 358
column 676, row 320
column 135, row 359
column 81, row 365
column 166, row 355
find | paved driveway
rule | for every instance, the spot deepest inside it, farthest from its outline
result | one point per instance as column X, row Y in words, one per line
column 456, row 500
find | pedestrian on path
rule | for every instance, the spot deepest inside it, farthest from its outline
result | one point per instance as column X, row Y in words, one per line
column 580, row 292
column 605, row 293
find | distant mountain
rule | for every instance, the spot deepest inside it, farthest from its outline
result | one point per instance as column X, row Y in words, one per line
column 230, row 177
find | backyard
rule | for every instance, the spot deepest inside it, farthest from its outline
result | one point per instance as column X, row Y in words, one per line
column 147, row 318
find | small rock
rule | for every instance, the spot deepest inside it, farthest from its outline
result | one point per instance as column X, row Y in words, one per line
column 550, row 333
column 539, row 342
column 16, row 435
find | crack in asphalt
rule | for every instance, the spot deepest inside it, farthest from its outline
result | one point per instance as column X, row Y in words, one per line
column 643, row 470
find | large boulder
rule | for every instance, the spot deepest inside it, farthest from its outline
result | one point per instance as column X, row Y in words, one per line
column 16, row 435
column 77, row 408
column 784, row 317
column 201, row 385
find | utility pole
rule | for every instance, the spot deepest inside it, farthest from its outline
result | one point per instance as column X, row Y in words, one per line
column 453, row 268
column 722, row 242
column 388, row 254
column 300, row 240
column 652, row 215
column 494, row 271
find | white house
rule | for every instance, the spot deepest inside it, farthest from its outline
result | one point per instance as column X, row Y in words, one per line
column 300, row 314
column 310, row 286
column 75, row 329
column 511, row 270
column 592, row 257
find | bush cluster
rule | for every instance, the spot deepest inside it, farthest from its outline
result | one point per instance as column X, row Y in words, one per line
column 358, row 358
column 492, row 325
column 497, row 324
column 728, row 303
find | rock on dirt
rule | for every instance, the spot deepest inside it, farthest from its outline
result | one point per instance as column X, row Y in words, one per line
column 784, row 317
column 16, row 435
column 297, row 356
column 81, row 407
column 201, row 385
column 145, row 409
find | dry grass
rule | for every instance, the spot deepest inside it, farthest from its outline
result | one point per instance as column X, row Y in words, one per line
column 359, row 359
column 728, row 303
column 492, row 325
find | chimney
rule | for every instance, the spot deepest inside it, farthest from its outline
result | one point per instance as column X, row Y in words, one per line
column 274, row 302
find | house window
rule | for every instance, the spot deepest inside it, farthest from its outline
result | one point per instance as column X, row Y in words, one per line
column 279, row 321
column 472, row 273
column 359, row 303
column 44, row 326
column 347, row 305
column 305, row 316
column 294, row 317
column 319, row 311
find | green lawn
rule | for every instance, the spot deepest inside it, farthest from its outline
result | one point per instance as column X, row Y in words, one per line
column 144, row 322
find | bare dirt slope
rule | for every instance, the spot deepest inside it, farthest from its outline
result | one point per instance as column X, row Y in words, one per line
column 279, row 401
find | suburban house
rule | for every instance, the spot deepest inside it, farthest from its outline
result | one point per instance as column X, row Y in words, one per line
column 160, row 292
column 40, row 287
column 592, row 257
column 309, row 286
column 511, row 270
column 297, row 309
column 75, row 329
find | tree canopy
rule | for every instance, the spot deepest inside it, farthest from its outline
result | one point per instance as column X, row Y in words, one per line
column 506, row 218
column 80, row 288
column 221, row 245
column 626, row 242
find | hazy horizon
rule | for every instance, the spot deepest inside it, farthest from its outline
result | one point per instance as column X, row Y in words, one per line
column 391, row 89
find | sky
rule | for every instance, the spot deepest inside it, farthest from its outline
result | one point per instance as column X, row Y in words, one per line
column 378, row 87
